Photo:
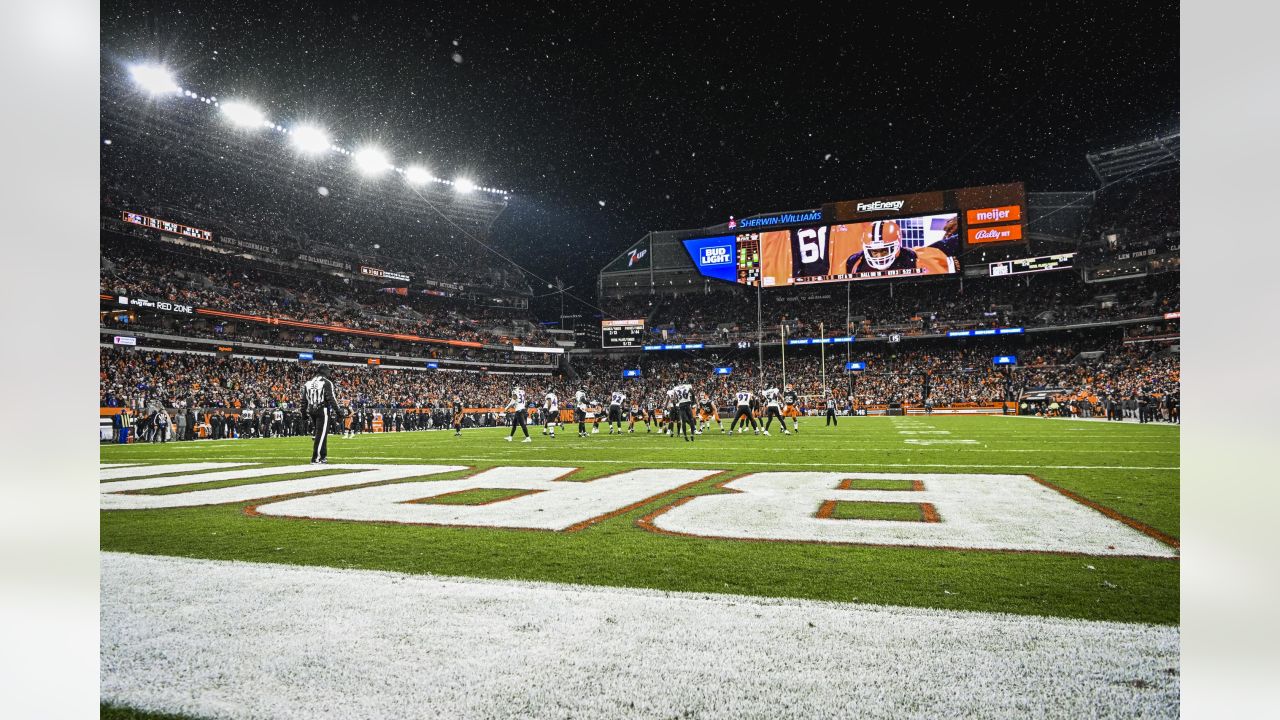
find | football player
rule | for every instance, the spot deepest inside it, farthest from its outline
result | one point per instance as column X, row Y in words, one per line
column 518, row 404
column 708, row 412
column 632, row 415
column 791, row 407
column 882, row 250
column 773, row 409
column 743, row 413
column 615, row 411
column 683, row 394
column 457, row 416
column 551, row 413
column 580, row 411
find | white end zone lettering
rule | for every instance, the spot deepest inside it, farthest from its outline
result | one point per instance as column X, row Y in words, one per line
column 112, row 499
column 551, row 504
column 981, row 512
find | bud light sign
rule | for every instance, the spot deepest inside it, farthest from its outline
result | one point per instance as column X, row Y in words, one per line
column 714, row 256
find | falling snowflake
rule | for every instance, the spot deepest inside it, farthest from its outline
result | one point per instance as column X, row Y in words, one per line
column 457, row 57
column 601, row 203
column 324, row 191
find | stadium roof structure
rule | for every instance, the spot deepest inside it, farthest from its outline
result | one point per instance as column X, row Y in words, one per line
column 1140, row 158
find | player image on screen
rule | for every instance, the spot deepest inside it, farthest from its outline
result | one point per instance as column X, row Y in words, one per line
column 913, row 246
column 882, row 249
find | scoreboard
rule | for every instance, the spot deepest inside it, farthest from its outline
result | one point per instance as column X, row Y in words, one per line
column 621, row 333
column 897, row 236
column 1020, row 266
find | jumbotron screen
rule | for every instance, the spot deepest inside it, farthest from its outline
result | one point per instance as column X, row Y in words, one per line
column 841, row 252
column 898, row 236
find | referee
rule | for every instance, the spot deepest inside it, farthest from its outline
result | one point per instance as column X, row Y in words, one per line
column 321, row 402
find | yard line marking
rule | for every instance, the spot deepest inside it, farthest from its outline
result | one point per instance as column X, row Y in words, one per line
column 136, row 471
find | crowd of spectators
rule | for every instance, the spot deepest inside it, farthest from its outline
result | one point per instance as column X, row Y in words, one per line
column 875, row 310
column 1085, row 372
column 232, row 283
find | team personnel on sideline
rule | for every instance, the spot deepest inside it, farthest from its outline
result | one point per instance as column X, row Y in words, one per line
column 708, row 412
column 457, row 416
column 615, row 411
column 580, row 411
column 518, row 405
column 321, row 402
column 743, row 413
column 791, row 408
column 551, row 414
column 773, row 409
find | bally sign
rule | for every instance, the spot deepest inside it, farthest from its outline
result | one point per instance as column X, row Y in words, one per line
column 995, row 234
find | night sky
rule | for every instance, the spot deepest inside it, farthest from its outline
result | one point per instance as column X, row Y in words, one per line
column 609, row 123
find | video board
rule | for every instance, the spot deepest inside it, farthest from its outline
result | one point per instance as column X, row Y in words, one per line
column 1020, row 266
column 621, row 333
column 899, row 236
column 890, row 248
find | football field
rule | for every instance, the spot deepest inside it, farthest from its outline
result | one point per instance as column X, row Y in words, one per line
column 1010, row 566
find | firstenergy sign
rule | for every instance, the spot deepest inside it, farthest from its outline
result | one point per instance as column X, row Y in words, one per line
column 972, row 511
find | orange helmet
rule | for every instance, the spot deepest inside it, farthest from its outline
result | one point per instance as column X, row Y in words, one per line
column 881, row 241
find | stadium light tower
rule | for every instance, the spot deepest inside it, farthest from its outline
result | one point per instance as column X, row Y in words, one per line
column 243, row 114
column 155, row 79
column 371, row 161
column 310, row 139
column 417, row 175
column 463, row 185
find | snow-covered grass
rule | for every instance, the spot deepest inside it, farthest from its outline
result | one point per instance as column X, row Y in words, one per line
column 238, row 640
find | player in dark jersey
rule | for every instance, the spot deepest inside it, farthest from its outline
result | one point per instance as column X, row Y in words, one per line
column 791, row 407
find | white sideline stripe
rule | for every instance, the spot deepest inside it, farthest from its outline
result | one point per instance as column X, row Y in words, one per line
column 1129, row 421
column 107, row 473
column 240, row 640
column 523, row 457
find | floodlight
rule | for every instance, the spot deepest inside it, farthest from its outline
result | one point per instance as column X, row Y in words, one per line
column 243, row 114
column 155, row 79
column 417, row 175
column 371, row 161
column 311, row 140
column 464, row 185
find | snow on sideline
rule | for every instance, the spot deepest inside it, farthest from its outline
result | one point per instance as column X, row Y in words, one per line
column 238, row 640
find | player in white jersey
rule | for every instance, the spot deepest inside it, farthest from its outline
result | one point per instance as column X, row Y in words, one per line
column 773, row 409
column 518, row 405
column 615, row 411
column 685, row 426
column 550, row 413
column 580, row 411
column 743, row 412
